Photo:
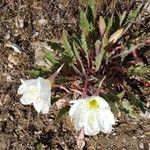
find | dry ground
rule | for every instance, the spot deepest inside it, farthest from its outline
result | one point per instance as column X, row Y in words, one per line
column 21, row 128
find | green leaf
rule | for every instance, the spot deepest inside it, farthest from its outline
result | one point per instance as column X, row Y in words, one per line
column 52, row 58
column 91, row 3
column 134, row 13
column 136, row 102
column 127, row 51
column 110, row 23
column 100, row 56
column 121, row 95
column 139, row 71
column 38, row 71
column 122, row 17
column 84, row 24
column 128, row 109
column 84, row 44
column 33, row 73
column 69, row 55
column 77, row 54
column 62, row 112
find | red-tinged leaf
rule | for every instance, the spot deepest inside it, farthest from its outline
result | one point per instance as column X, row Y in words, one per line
column 115, row 36
column 102, row 26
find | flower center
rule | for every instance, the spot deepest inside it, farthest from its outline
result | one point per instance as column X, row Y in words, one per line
column 33, row 92
column 93, row 104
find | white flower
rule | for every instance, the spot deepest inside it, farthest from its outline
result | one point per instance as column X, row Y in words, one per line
column 36, row 91
column 93, row 114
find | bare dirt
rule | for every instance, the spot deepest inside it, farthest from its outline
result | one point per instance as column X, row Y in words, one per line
column 21, row 128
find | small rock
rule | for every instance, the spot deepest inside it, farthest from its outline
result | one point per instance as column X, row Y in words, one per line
column 13, row 59
column 7, row 36
column 8, row 78
column 10, row 65
column 141, row 145
column 19, row 22
column 42, row 22
column 134, row 137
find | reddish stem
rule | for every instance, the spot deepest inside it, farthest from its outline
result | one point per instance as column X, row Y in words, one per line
column 85, row 88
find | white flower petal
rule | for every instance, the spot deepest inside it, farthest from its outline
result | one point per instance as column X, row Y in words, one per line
column 45, row 94
column 46, row 106
column 75, row 107
column 22, row 88
column 36, row 91
column 26, row 100
column 44, row 87
column 38, row 105
column 25, row 84
column 106, row 120
column 91, row 125
column 80, row 118
column 93, row 114
column 30, row 82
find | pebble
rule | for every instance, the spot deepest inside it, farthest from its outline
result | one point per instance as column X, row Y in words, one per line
column 141, row 145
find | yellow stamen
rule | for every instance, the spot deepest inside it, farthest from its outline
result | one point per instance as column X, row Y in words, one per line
column 93, row 104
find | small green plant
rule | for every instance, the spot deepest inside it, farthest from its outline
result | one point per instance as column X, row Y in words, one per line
column 106, row 48
column 102, row 63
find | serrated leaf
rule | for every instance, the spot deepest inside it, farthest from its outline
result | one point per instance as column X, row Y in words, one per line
column 121, row 95
column 122, row 17
column 77, row 54
column 91, row 3
column 62, row 112
column 69, row 55
column 135, row 101
column 84, row 24
column 115, row 36
column 102, row 25
column 52, row 58
column 38, row 71
column 100, row 56
column 134, row 13
column 84, row 43
column 34, row 73
column 139, row 71
column 128, row 109
column 110, row 23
